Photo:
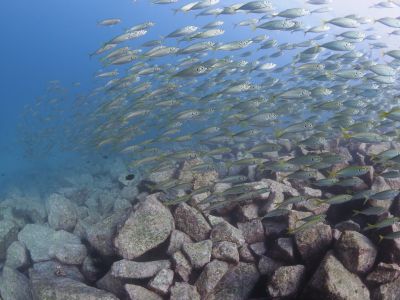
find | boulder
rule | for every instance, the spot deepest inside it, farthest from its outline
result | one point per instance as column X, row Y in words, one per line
column 62, row 213
column 383, row 273
column 8, row 234
column 199, row 254
column 226, row 232
column 210, row 276
column 184, row 291
column 286, row 281
column 226, row 251
column 146, row 228
column 137, row 292
column 138, row 270
column 14, row 285
column 17, row 256
column 162, row 281
column 181, row 265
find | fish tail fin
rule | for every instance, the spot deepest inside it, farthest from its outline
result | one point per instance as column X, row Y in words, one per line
column 319, row 201
column 381, row 237
column 346, row 135
column 278, row 133
column 383, row 115
column 356, row 212
column 332, row 174
column 253, row 27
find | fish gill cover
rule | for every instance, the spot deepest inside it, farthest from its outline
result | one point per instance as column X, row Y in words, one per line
column 253, row 111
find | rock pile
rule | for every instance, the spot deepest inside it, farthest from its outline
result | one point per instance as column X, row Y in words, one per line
column 113, row 239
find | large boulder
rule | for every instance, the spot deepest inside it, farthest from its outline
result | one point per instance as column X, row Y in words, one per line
column 8, row 234
column 286, row 281
column 14, row 285
column 138, row 270
column 146, row 228
column 62, row 213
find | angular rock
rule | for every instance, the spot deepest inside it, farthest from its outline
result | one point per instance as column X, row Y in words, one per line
column 8, row 234
column 181, row 265
column 348, row 225
column 258, row 248
column 137, row 270
column 101, row 234
column 17, row 256
column 69, row 254
column 274, row 229
column 37, row 239
column 62, row 213
column 184, row 291
column 253, row 231
column 283, row 249
column 29, row 209
column 356, row 252
column 383, row 273
column 112, row 284
column 226, row 251
column 226, row 232
column 313, row 242
column 247, row 212
column 333, row 281
column 137, row 292
column 388, row 291
column 245, row 254
column 14, row 285
column 199, row 254
column 162, row 281
column 146, row 228
column 61, row 288
column 191, row 221
column 210, row 276
column 176, row 240
column 90, row 270
column 286, row 281
column 267, row 266
column 237, row 283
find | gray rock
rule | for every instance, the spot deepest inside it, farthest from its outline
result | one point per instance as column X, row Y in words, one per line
column 383, row 273
column 210, row 276
column 199, row 254
column 121, row 204
column 137, row 292
column 37, row 239
column 100, row 235
column 14, row 285
column 53, row 268
column 267, row 266
column 62, row 288
column 191, row 221
column 258, row 248
column 388, row 291
column 181, row 265
column 226, row 251
column 176, row 240
column 90, row 270
column 184, row 291
column 274, row 229
column 253, row 231
column 283, row 249
column 31, row 210
column 348, row 225
column 356, row 252
column 62, row 213
column 245, row 254
column 237, row 283
column 286, row 281
column 247, row 212
column 226, row 232
column 17, row 256
column 313, row 242
column 333, row 281
column 162, row 281
column 8, row 234
column 112, row 284
column 69, row 254
column 146, row 228
column 137, row 270
column 129, row 193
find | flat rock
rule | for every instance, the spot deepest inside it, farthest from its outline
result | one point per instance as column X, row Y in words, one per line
column 237, row 283
column 210, row 276
column 181, row 265
column 101, row 235
column 137, row 292
column 17, row 256
column 313, row 242
column 199, row 254
column 14, row 285
column 226, row 232
column 356, row 252
column 333, row 281
column 162, row 281
column 146, row 228
column 62, row 213
column 286, row 281
column 192, row 222
column 176, row 240
column 62, row 288
column 253, row 231
column 226, row 251
column 8, row 234
column 184, row 291
column 383, row 273
column 137, row 270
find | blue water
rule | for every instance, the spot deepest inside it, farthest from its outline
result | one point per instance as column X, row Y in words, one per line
column 50, row 40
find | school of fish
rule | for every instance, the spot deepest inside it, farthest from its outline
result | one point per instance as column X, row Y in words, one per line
column 193, row 95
